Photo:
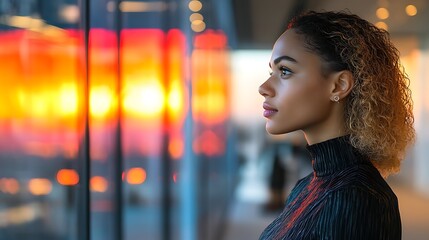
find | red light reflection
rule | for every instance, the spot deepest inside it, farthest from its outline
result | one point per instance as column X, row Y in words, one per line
column 209, row 143
column 9, row 185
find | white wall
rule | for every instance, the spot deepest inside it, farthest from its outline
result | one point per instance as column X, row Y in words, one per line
column 421, row 150
column 249, row 70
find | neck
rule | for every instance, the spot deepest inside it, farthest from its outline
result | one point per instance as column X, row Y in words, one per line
column 334, row 155
column 318, row 138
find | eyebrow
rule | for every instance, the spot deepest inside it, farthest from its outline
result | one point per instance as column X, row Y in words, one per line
column 281, row 58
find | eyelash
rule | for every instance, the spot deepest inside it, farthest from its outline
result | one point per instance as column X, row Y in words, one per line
column 283, row 71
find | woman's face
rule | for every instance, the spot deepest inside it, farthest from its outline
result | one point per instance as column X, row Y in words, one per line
column 297, row 95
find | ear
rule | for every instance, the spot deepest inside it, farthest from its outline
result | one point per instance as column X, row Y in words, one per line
column 342, row 85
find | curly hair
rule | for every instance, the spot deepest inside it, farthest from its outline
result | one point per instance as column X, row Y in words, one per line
column 378, row 111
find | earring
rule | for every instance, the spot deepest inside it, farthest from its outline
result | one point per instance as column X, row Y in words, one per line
column 336, row 99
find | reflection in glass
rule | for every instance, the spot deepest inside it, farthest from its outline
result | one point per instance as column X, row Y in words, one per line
column 40, row 113
column 155, row 94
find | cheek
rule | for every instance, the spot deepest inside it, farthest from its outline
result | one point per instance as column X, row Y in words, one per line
column 304, row 101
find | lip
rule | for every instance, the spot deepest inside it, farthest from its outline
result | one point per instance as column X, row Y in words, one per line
column 269, row 110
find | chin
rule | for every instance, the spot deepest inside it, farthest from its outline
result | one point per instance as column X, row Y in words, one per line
column 276, row 131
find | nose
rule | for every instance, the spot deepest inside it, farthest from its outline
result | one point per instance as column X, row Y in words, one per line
column 264, row 89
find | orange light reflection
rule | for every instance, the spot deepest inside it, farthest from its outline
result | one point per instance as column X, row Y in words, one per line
column 40, row 186
column 67, row 177
column 136, row 176
column 145, row 100
column 45, row 95
column 176, row 147
column 98, row 184
column 210, row 78
column 101, row 101
column 210, row 91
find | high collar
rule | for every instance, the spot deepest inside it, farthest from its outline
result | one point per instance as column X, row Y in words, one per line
column 334, row 155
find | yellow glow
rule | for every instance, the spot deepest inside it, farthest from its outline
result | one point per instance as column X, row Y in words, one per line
column 175, row 99
column 146, row 99
column 129, row 6
column 68, row 99
column 196, row 16
column 195, row 5
column 39, row 104
column 22, row 98
column 101, row 101
column 12, row 216
column 382, row 13
column 40, row 186
column 212, row 105
column 411, row 10
column 136, row 176
column 25, row 22
column 197, row 22
column 198, row 26
column 382, row 25
column 35, row 24
column 98, row 184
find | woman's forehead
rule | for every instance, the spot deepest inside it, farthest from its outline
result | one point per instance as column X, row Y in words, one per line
column 290, row 46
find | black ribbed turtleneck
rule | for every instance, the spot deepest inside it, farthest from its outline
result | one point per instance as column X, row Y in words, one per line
column 333, row 156
column 344, row 198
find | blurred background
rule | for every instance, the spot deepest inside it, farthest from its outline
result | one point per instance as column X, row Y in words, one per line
column 142, row 120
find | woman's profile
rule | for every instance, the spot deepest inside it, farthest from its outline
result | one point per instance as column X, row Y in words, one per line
column 338, row 78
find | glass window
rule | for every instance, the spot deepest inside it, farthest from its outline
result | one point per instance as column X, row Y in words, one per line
column 114, row 120
column 40, row 119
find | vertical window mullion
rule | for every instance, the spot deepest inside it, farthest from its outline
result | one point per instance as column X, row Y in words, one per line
column 84, row 201
column 118, row 218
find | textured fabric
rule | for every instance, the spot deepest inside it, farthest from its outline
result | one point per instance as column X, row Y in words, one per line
column 344, row 198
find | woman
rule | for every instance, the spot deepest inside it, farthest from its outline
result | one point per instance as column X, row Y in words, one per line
column 337, row 78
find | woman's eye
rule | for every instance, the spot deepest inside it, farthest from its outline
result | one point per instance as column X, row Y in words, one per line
column 285, row 71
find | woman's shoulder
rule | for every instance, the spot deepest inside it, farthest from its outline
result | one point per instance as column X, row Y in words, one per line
column 299, row 186
column 362, row 178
